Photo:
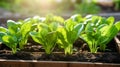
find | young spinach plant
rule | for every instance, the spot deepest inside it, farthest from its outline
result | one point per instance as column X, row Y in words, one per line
column 27, row 26
column 68, row 34
column 10, row 36
column 99, row 32
column 46, row 35
column 15, row 34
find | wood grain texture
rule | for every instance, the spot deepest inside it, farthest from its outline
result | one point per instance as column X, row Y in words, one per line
column 53, row 64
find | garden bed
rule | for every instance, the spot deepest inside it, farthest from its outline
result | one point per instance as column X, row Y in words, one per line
column 34, row 54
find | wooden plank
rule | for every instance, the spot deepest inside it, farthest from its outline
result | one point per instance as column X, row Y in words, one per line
column 14, row 64
column 81, row 65
column 48, row 64
column 93, row 65
column 107, row 65
column 53, row 64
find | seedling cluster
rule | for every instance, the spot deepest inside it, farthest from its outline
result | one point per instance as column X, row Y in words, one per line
column 52, row 31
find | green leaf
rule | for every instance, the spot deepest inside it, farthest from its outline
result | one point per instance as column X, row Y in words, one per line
column 13, row 27
column 1, row 35
column 101, row 26
column 117, row 24
column 9, row 39
column 110, row 20
column 11, row 42
column 62, row 33
column 96, row 20
column 78, row 28
column 36, row 37
column 77, row 18
column 43, row 26
column 53, row 26
column 51, row 39
column 74, row 34
column 25, row 28
column 69, row 25
column 2, row 29
column 51, row 36
column 62, row 37
column 89, row 29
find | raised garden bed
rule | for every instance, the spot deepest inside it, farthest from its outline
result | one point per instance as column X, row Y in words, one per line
column 36, row 59
column 33, row 55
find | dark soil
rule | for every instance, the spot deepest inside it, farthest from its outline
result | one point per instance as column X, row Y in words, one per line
column 81, row 54
column 106, row 57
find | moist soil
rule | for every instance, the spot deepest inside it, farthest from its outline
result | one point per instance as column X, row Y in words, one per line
column 81, row 53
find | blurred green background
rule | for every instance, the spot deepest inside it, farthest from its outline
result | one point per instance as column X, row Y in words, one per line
column 59, row 7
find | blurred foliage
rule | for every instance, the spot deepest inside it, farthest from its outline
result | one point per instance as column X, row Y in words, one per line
column 42, row 7
column 117, row 5
column 87, row 7
column 10, row 4
column 36, row 6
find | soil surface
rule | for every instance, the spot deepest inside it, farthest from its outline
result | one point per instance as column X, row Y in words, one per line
column 81, row 54
column 106, row 57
